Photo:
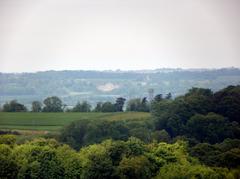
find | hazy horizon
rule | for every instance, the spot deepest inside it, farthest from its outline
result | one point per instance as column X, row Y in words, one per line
column 117, row 34
column 124, row 70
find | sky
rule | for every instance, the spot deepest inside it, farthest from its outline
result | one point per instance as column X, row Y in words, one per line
column 45, row 35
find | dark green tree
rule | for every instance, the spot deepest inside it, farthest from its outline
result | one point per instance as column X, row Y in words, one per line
column 82, row 107
column 207, row 128
column 108, row 107
column 199, row 100
column 14, row 106
column 168, row 96
column 138, row 104
column 36, row 106
column 53, row 104
column 98, row 107
column 225, row 154
column 134, row 104
column 228, row 102
column 160, row 136
column 158, row 98
column 145, row 106
column 119, row 104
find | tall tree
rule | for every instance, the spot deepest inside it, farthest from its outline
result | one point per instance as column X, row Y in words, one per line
column 145, row 107
column 119, row 104
column 98, row 107
column 138, row 104
column 52, row 104
column 36, row 106
column 134, row 104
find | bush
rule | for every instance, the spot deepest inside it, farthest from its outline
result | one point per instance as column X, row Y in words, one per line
column 8, row 139
column 8, row 165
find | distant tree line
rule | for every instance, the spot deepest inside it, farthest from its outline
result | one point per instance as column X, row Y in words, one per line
column 13, row 106
column 55, row 104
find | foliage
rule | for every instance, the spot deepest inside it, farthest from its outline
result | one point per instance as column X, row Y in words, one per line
column 210, row 128
column 38, row 162
column 98, row 107
column 108, row 107
column 96, row 162
column 202, row 141
column 70, row 161
column 227, row 102
column 192, row 115
column 134, row 167
column 119, row 104
column 36, row 106
column 8, row 165
column 161, row 136
column 142, row 133
column 84, row 132
column 225, row 154
column 82, row 107
column 138, row 104
column 188, row 171
column 52, row 104
column 8, row 139
column 168, row 96
column 46, row 158
column 199, row 100
column 158, row 98
column 14, row 106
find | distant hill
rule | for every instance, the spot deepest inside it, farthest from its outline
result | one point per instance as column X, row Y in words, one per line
column 94, row 86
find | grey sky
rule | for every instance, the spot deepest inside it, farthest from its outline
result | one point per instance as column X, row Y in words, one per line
column 118, row 34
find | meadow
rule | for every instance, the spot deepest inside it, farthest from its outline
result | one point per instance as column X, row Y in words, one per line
column 55, row 121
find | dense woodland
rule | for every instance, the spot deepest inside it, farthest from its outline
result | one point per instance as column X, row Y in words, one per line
column 196, row 135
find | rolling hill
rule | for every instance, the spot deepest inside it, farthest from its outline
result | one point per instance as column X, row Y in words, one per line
column 94, row 86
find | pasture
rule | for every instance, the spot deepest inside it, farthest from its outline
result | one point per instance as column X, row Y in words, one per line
column 55, row 121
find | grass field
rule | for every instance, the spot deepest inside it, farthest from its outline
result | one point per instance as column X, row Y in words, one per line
column 55, row 121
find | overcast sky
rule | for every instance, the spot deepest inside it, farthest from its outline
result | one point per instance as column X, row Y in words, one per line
column 37, row 35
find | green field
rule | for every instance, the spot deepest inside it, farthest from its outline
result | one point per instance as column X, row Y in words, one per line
column 55, row 121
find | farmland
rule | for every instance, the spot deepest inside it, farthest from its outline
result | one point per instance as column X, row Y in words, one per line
column 55, row 121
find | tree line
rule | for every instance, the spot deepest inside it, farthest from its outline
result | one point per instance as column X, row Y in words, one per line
column 55, row 104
